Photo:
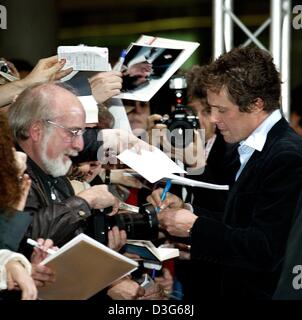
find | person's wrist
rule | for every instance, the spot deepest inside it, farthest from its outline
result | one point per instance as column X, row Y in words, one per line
column 88, row 198
column 21, row 85
column 190, row 229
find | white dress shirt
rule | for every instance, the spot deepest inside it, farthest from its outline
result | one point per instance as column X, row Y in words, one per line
column 256, row 140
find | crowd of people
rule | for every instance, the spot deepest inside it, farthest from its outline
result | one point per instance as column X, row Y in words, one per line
column 55, row 183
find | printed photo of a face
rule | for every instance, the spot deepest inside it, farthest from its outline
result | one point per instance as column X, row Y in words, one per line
column 144, row 63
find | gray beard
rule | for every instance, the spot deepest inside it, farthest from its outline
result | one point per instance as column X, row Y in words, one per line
column 55, row 167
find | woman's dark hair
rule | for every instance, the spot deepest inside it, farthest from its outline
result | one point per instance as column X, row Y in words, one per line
column 195, row 83
column 10, row 190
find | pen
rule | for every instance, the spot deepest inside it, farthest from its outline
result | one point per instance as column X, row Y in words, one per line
column 36, row 244
column 165, row 191
column 119, row 64
column 153, row 274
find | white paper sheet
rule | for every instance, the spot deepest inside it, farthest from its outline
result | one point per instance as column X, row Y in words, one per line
column 84, row 58
column 118, row 111
column 152, row 165
column 91, row 108
column 193, row 183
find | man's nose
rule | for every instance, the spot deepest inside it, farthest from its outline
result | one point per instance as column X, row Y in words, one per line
column 214, row 116
column 78, row 143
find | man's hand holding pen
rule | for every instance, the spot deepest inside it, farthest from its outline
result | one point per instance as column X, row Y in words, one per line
column 40, row 273
column 172, row 217
column 170, row 201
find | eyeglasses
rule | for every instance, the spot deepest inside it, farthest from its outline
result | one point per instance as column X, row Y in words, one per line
column 73, row 133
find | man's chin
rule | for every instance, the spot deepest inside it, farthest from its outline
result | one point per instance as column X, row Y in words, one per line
column 62, row 170
column 227, row 137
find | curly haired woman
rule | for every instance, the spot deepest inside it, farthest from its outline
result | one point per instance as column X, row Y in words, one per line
column 14, row 187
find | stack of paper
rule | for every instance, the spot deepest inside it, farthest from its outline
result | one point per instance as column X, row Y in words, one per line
column 84, row 267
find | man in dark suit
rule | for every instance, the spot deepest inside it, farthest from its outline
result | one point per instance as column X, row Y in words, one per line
column 248, row 239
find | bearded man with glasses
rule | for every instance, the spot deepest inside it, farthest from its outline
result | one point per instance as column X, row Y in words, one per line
column 48, row 123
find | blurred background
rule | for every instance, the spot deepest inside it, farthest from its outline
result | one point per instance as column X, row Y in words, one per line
column 36, row 27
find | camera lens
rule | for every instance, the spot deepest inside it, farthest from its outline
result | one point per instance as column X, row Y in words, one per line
column 141, row 225
column 4, row 68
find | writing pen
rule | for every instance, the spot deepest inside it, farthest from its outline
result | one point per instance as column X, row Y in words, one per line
column 119, row 64
column 165, row 191
column 36, row 245
column 153, row 274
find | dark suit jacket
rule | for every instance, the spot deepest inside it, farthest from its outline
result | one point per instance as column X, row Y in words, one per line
column 249, row 241
column 290, row 283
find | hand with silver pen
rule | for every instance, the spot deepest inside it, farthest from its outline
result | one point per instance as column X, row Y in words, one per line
column 42, row 274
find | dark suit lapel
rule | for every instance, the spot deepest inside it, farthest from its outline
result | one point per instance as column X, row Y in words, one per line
column 256, row 161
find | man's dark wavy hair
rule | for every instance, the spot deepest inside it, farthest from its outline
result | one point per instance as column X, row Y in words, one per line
column 247, row 74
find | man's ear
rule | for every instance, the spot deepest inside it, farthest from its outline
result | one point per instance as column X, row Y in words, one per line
column 36, row 131
column 258, row 105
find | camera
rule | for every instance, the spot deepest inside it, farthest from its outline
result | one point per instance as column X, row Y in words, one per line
column 182, row 118
column 138, row 225
column 4, row 67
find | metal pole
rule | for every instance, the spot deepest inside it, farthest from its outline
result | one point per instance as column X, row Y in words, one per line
column 228, row 26
column 218, row 28
column 257, row 32
column 246, row 30
column 285, row 62
column 275, row 34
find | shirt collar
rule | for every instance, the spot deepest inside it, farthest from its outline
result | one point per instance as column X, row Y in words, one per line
column 257, row 138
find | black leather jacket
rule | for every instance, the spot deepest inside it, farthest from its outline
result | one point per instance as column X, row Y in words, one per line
column 58, row 220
